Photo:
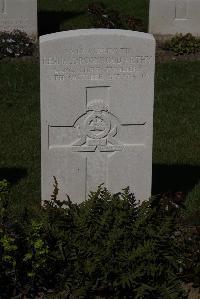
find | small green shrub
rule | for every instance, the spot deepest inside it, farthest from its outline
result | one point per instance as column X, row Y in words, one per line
column 191, row 213
column 190, row 238
column 105, row 246
column 102, row 17
column 15, row 44
column 183, row 44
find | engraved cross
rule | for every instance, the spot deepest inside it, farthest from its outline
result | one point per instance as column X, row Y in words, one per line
column 94, row 136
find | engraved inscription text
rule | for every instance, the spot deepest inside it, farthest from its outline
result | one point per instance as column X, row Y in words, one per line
column 98, row 64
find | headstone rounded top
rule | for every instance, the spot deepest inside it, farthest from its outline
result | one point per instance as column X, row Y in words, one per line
column 96, row 32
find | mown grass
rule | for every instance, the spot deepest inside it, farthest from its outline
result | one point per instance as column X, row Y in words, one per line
column 20, row 128
column 176, row 129
column 176, row 160
column 177, row 103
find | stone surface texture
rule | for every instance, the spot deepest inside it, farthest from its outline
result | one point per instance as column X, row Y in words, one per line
column 168, row 17
column 19, row 15
column 97, row 94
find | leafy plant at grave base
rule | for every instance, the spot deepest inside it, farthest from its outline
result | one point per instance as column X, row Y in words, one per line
column 101, row 17
column 191, row 213
column 189, row 239
column 106, row 246
column 7, row 244
column 183, row 44
column 15, row 44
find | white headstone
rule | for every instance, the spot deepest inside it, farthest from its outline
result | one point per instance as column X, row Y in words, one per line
column 168, row 17
column 97, row 94
column 19, row 15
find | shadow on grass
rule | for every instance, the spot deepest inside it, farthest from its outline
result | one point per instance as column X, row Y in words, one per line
column 173, row 178
column 12, row 175
column 50, row 21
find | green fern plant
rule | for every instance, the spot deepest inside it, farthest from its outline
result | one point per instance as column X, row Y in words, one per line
column 108, row 246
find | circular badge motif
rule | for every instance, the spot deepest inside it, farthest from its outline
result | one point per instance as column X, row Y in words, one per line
column 97, row 125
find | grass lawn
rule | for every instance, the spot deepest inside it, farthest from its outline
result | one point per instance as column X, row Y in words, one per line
column 176, row 159
column 20, row 128
column 176, row 127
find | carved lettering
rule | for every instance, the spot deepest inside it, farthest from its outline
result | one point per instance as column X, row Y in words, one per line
column 97, row 60
column 98, row 51
column 103, row 64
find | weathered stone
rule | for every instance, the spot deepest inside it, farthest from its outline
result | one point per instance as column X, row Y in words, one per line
column 168, row 17
column 19, row 15
column 97, row 93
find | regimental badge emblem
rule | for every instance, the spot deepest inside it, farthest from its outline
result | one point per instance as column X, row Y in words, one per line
column 97, row 129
